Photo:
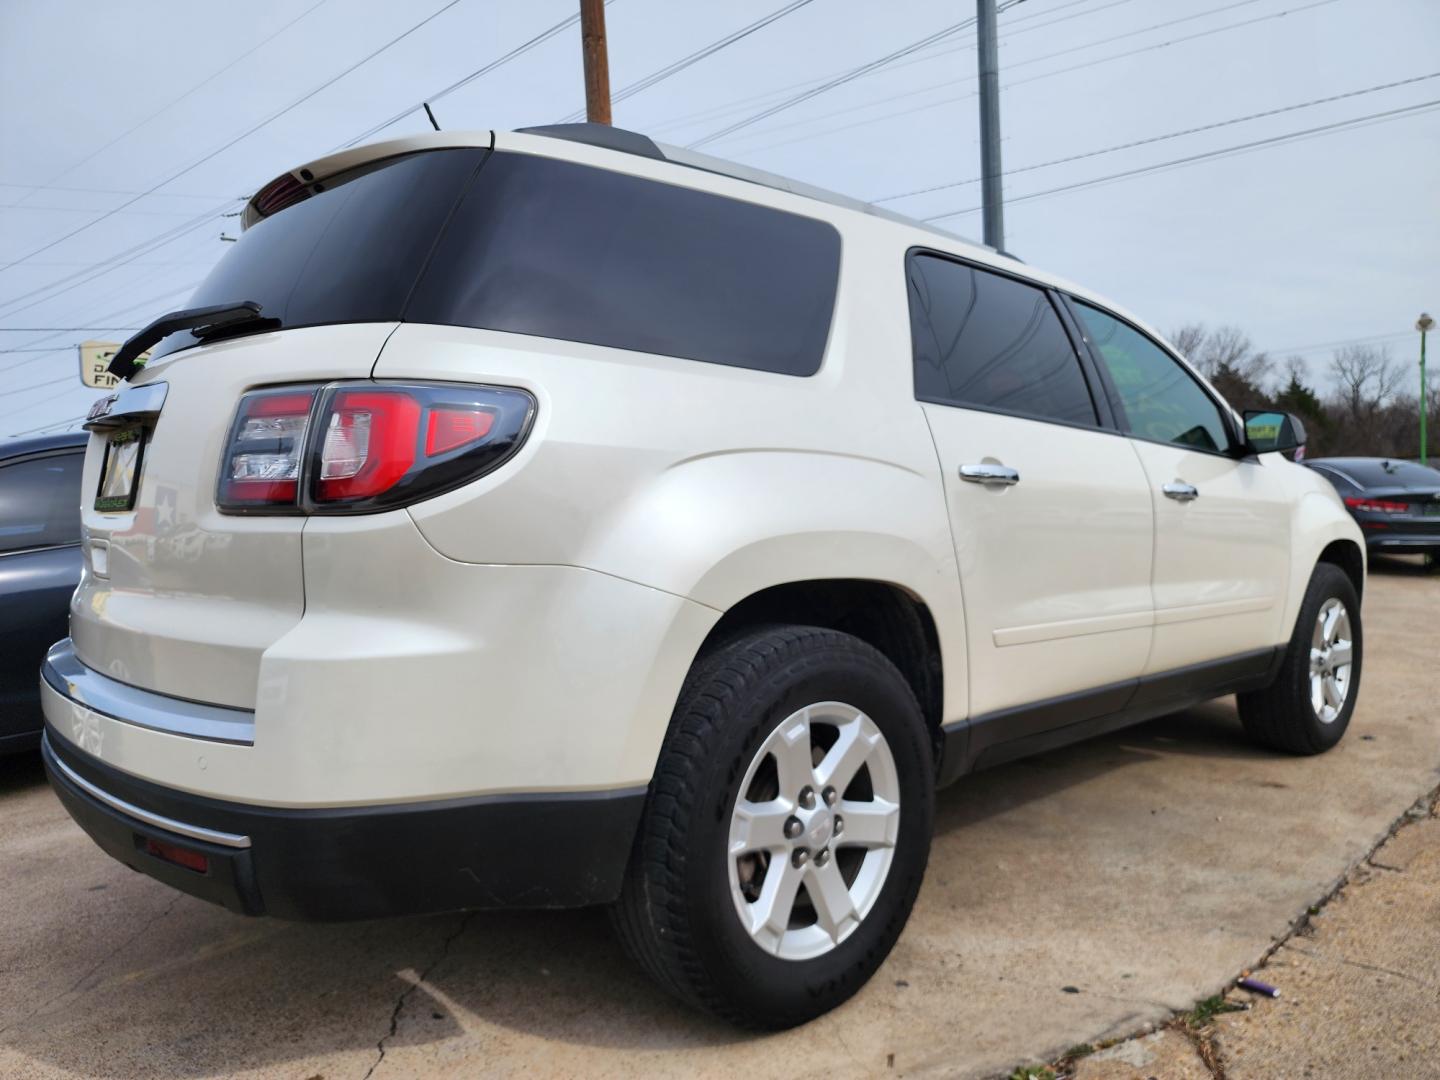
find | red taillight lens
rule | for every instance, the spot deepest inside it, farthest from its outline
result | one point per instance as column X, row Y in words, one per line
column 267, row 444
column 453, row 426
column 370, row 438
column 371, row 446
column 281, row 192
column 1381, row 506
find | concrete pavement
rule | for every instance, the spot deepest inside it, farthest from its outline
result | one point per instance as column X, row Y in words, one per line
column 1072, row 897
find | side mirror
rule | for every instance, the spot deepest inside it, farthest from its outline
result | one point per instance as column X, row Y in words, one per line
column 1268, row 431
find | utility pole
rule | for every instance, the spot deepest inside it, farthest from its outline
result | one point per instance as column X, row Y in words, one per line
column 992, row 199
column 1423, row 324
column 597, row 61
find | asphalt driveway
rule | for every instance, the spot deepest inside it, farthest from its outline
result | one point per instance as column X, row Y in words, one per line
column 1070, row 897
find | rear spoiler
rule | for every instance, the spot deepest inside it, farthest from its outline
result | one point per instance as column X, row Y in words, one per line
column 300, row 183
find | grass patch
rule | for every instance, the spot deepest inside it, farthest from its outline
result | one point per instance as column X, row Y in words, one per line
column 1032, row 1072
column 1207, row 1009
column 1083, row 1050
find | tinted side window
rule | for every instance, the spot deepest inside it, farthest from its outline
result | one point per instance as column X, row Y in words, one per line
column 1162, row 400
column 560, row 250
column 991, row 341
column 40, row 502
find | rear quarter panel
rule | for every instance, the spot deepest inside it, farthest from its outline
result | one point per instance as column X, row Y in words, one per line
column 713, row 482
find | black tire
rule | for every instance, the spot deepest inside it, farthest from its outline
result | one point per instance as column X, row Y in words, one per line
column 676, row 914
column 1281, row 716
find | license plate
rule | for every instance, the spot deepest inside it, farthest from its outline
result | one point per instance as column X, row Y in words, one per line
column 120, row 471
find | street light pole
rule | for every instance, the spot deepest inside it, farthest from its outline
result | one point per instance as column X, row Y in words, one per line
column 991, row 195
column 597, row 61
column 1423, row 324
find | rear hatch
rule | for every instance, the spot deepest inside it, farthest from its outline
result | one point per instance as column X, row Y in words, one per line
column 179, row 597
column 1408, row 510
column 1394, row 497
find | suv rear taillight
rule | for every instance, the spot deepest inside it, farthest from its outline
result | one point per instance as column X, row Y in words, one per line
column 349, row 448
column 266, row 450
column 1379, row 506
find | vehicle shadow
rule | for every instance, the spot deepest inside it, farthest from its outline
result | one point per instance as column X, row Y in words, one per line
column 1211, row 731
column 21, row 772
column 1401, row 566
column 196, row 991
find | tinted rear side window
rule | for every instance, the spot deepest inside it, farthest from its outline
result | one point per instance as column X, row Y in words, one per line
column 348, row 254
column 40, row 502
column 559, row 250
column 986, row 340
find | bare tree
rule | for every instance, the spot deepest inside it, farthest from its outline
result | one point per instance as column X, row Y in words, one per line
column 1366, row 377
column 1188, row 340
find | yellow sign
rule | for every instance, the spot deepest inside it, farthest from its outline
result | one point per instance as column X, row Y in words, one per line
column 95, row 357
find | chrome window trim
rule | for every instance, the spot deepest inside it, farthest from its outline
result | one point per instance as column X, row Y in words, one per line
column 159, row 821
column 64, row 672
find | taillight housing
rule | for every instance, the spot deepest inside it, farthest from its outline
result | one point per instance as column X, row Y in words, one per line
column 1380, row 506
column 361, row 447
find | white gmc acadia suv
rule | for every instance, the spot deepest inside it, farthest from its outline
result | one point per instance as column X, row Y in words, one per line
column 555, row 517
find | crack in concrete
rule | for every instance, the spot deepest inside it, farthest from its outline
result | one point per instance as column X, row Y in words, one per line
column 405, row 994
column 95, row 967
column 1426, row 806
column 1358, row 964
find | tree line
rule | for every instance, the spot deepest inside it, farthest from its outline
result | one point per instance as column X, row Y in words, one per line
column 1372, row 408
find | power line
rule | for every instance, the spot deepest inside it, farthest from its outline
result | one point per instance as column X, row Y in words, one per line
column 36, row 386
column 1017, row 82
column 48, row 427
column 244, row 135
column 108, row 264
column 1373, row 339
column 32, row 188
column 59, row 329
column 736, row 105
column 1274, row 140
column 89, row 210
column 831, row 84
column 126, row 308
column 203, row 83
column 694, row 58
column 1170, row 135
column 519, row 50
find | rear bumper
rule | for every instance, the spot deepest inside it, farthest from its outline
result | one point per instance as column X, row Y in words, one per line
column 542, row 850
column 1377, row 540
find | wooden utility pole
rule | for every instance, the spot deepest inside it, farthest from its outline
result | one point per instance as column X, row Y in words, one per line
column 597, row 61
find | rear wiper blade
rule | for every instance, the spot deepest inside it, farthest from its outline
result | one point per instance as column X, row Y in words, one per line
column 200, row 319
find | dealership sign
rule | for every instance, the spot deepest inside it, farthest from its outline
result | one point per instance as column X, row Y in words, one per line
column 95, row 359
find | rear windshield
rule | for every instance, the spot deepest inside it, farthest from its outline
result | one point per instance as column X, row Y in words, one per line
column 350, row 253
column 1385, row 473
column 547, row 248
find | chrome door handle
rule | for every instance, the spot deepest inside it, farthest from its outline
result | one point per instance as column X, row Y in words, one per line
column 1180, row 492
column 989, row 474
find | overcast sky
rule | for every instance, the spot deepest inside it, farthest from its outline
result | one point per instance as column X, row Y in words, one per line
column 1332, row 237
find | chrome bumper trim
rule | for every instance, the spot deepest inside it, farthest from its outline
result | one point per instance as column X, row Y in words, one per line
column 64, row 673
column 159, row 821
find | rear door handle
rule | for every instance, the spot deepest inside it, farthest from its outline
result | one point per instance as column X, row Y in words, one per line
column 989, row 474
column 1180, row 492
